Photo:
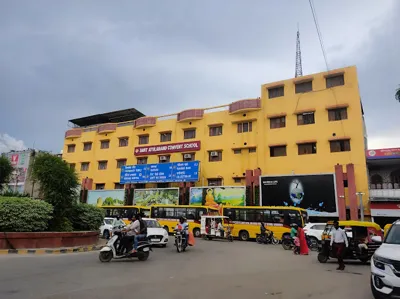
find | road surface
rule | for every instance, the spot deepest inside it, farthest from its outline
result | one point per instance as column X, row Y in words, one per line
column 211, row 269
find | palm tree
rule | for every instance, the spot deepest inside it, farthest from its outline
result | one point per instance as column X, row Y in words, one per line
column 397, row 94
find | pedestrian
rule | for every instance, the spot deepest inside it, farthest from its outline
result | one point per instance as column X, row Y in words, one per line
column 339, row 243
column 303, row 241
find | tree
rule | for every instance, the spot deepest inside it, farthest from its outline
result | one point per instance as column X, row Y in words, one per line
column 58, row 185
column 397, row 94
column 6, row 170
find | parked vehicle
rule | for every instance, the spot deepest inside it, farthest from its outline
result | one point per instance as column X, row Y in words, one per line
column 209, row 228
column 314, row 231
column 107, row 227
column 156, row 234
column 267, row 239
column 357, row 232
column 110, row 251
column 385, row 265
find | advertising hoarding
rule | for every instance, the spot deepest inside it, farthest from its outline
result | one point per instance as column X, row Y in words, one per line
column 106, row 197
column 156, row 196
column 217, row 196
column 315, row 192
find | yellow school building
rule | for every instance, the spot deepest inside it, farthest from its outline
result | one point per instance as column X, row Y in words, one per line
column 305, row 125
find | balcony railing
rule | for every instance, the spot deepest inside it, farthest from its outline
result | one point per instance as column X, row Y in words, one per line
column 385, row 190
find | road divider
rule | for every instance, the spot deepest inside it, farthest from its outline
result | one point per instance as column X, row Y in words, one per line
column 51, row 251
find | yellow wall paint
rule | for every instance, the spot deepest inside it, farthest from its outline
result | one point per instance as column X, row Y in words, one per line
column 262, row 136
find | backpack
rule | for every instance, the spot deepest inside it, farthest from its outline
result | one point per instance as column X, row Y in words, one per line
column 143, row 227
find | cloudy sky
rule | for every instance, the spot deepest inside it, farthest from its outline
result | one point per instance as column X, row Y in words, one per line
column 66, row 59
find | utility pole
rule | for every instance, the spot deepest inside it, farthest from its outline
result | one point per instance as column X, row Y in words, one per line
column 360, row 196
column 299, row 68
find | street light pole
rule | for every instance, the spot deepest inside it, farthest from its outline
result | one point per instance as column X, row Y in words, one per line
column 360, row 195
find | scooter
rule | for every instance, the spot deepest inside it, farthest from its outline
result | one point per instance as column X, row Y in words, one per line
column 264, row 239
column 110, row 251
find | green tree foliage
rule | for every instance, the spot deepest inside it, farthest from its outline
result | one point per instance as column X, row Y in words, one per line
column 5, row 171
column 397, row 94
column 86, row 217
column 24, row 214
column 58, row 185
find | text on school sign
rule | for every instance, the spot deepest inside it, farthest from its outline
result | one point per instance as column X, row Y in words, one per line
column 167, row 148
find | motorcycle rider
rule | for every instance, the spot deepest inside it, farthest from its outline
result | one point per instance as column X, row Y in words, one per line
column 141, row 231
column 183, row 226
column 293, row 231
column 118, row 222
column 131, row 231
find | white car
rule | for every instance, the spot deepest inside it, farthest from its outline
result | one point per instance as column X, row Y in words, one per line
column 106, row 228
column 314, row 230
column 156, row 234
column 385, row 265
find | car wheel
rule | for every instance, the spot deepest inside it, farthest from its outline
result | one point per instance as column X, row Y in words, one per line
column 106, row 234
column 322, row 258
column 197, row 232
column 314, row 244
column 244, row 235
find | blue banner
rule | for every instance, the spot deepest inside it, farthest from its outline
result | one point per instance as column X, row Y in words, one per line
column 160, row 173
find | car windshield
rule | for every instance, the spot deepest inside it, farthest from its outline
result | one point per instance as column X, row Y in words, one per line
column 153, row 224
column 108, row 221
column 393, row 236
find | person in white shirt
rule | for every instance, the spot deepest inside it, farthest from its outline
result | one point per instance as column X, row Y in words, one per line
column 131, row 231
column 339, row 243
column 221, row 229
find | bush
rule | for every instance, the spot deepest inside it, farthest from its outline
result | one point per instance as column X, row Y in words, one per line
column 61, row 224
column 24, row 214
column 86, row 217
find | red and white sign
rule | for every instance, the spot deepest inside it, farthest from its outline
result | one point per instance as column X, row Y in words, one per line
column 14, row 159
column 389, row 209
column 167, row 148
column 383, row 153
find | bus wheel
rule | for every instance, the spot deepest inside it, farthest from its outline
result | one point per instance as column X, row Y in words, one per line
column 243, row 235
column 166, row 228
column 196, row 232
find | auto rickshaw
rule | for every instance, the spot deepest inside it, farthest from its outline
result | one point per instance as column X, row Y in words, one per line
column 209, row 228
column 358, row 232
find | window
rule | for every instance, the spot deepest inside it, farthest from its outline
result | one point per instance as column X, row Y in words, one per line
column 144, row 139
column 71, row 148
column 252, row 149
column 216, row 131
column 164, row 159
column 104, row 144
column 303, row 87
column 142, row 160
column 119, row 186
column 215, row 156
column 87, row 146
column 237, row 151
column 165, row 136
column 214, row 182
column 188, row 157
column 337, row 114
column 121, row 162
column 189, row 134
column 84, row 166
column 123, row 141
column 276, row 92
column 277, row 151
column 306, row 118
column 245, row 127
column 333, row 81
column 100, row 186
column 237, row 180
column 277, row 122
column 340, row 146
column 307, row 148
column 72, row 166
column 102, row 165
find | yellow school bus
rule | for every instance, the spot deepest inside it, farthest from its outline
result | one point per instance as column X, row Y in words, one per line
column 125, row 212
column 168, row 216
column 246, row 220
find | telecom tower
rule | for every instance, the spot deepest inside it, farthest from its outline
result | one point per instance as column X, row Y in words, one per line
column 299, row 67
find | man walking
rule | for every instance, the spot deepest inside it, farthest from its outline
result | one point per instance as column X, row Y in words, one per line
column 339, row 243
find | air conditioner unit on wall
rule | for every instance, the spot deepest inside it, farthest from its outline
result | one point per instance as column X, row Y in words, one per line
column 214, row 154
column 187, row 156
column 163, row 158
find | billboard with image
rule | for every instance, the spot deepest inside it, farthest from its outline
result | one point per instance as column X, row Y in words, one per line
column 315, row 192
column 156, row 196
column 216, row 196
column 106, row 197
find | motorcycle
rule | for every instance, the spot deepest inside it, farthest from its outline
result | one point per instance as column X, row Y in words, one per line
column 180, row 240
column 267, row 239
column 288, row 244
column 111, row 250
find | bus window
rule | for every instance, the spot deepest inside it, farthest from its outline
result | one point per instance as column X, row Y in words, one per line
column 305, row 217
column 168, row 213
column 267, row 216
column 180, row 212
column 292, row 216
column 231, row 213
column 191, row 214
column 277, row 216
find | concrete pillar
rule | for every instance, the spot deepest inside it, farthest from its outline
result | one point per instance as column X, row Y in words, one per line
column 340, row 192
column 353, row 200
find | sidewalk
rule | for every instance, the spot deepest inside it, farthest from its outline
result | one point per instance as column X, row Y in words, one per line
column 98, row 246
